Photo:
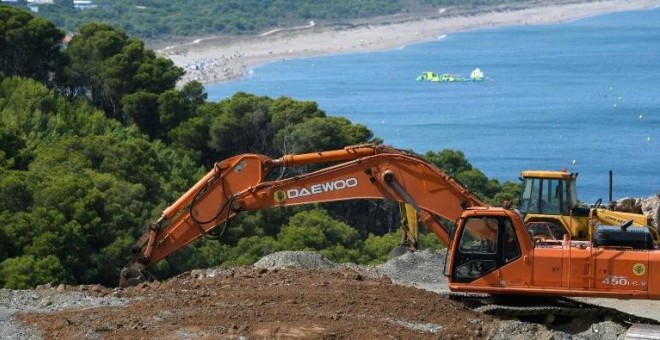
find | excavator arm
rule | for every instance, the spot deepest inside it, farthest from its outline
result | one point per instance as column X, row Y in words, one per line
column 239, row 184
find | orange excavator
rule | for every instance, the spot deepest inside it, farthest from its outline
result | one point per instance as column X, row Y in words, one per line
column 490, row 250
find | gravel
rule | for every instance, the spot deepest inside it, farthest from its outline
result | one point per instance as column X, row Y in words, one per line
column 9, row 329
column 295, row 259
column 422, row 269
column 517, row 330
column 45, row 299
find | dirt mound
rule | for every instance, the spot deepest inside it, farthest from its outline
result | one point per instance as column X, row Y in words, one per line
column 286, row 294
column 261, row 303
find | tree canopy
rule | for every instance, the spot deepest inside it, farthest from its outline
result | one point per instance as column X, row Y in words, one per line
column 29, row 46
column 117, row 74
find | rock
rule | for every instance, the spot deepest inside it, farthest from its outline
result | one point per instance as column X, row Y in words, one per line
column 628, row 204
column 651, row 208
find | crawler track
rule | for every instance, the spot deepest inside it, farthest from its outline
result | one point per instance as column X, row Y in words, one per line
column 547, row 308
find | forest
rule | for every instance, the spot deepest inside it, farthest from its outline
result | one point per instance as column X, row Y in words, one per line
column 155, row 19
column 96, row 139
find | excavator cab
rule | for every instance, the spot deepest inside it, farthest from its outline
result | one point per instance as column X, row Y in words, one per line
column 485, row 244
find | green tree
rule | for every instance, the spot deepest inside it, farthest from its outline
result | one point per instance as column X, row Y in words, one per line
column 141, row 108
column 288, row 112
column 173, row 108
column 27, row 271
column 26, row 107
column 318, row 133
column 377, row 247
column 475, row 181
column 15, row 194
column 195, row 94
column 5, row 243
column 248, row 250
column 106, row 65
column 509, row 191
column 97, row 209
column 13, row 148
column 451, row 162
column 454, row 163
column 192, row 138
column 29, row 46
column 316, row 230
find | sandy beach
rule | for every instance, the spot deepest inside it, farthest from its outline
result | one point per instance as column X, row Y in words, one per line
column 219, row 59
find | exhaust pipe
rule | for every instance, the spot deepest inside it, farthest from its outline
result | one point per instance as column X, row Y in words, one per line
column 610, row 191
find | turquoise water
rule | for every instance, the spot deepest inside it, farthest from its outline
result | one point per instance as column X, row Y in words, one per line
column 582, row 95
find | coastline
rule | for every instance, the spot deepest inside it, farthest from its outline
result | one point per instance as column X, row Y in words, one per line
column 216, row 60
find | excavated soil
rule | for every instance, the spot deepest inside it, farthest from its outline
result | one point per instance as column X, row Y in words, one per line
column 255, row 302
column 284, row 295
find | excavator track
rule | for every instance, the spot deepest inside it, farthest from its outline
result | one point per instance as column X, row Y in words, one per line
column 547, row 308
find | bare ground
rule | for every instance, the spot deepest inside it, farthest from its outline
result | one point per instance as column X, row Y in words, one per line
column 260, row 303
column 284, row 295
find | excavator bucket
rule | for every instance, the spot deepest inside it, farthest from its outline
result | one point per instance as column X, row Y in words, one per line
column 133, row 275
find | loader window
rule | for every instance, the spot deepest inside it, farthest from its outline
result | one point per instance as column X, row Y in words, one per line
column 551, row 196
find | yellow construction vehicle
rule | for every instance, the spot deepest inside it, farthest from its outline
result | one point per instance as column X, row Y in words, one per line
column 551, row 196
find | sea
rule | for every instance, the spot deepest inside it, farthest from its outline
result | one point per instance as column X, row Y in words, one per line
column 582, row 95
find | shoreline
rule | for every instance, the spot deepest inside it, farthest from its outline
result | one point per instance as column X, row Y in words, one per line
column 220, row 59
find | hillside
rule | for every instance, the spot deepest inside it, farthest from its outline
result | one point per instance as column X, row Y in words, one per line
column 161, row 19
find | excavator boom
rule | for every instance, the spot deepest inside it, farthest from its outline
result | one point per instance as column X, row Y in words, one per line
column 239, row 184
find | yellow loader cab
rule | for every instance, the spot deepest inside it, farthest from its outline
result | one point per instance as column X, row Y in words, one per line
column 551, row 196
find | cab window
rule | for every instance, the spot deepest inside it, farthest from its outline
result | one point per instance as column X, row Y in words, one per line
column 545, row 196
column 479, row 236
column 511, row 247
column 486, row 244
